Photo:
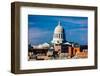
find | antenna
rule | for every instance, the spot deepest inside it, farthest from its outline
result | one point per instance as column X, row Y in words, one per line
column 59, row 23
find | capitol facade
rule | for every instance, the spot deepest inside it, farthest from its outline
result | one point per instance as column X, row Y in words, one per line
column 58, row 48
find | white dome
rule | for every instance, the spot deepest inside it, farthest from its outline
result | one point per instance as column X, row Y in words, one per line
column 67, row 43
column 40, row 46
column 58, row 28
column 58, row 36
column 45, row 45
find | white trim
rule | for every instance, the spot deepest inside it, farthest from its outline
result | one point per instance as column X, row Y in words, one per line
column 25, row 64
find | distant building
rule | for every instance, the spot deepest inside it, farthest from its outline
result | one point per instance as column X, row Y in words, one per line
column 63, row 46
column 59, row 48
column 59, row 35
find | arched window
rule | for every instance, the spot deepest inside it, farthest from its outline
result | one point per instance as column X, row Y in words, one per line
column 59, row 35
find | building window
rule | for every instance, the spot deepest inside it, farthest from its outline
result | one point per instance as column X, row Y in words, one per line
column 59, row 35
column 56, row 35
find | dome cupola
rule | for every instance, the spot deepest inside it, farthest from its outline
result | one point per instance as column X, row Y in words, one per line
column 58, row 28
column 59, row 35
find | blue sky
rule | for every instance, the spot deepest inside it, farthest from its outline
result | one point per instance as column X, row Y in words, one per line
column 41, row 28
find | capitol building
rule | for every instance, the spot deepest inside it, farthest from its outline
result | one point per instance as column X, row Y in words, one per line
column 58, row 48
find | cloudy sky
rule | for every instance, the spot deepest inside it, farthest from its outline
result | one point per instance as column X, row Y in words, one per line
column 41, row 28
